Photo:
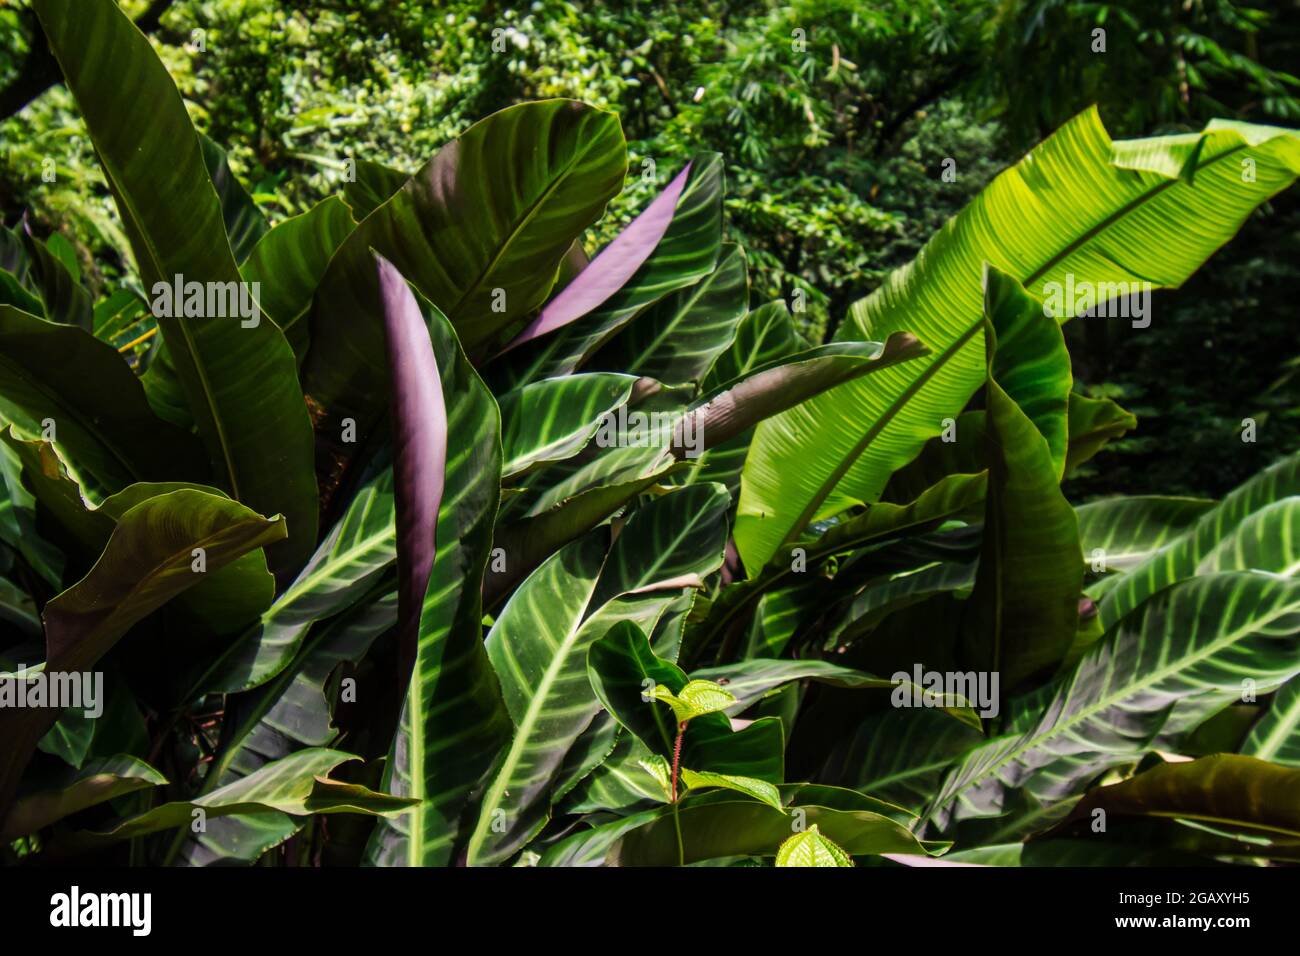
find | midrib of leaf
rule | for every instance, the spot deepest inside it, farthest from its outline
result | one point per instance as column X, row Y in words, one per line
column 531, row 211
column 195, row 355
column 946, row 355
column 901, row 775
column 696, row 293
column 524, row 732
column 1127, row 690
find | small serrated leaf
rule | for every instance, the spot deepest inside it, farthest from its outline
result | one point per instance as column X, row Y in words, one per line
column 810, row 848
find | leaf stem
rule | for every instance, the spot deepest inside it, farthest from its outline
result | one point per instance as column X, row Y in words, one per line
column 677, row 756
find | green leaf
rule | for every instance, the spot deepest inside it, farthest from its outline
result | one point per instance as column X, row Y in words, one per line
column 588, row 495
column 480, row 230
column 1176, row 661
column 881, row 520
column 715, row 826
column 94, row 783
column 290, row 260
column 240, row 383
column 1179, row 558
column 1103, row 224
column 538, row 645
column 101, row 419
column 360, row 548
column 66, row 302
column 686, row 253
column 624, row 670
column 1093, row 423
column 901, row 755
column 1120, row 533
column 373, row 186
column 245, row 225
column 291, row 712
column 297, row 785
column 1225, row 790
column 764, row 336
column 748, row 681
column 148, row 560
column 1276, row 735
column 677, row 339
column 454, row 722
column 810, row 848
column 225, row 601
column 697, row 698
column 552, row 419
column 760, row 790
column 1024, row 611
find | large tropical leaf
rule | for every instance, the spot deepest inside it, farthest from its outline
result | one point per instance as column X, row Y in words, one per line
column 226, row 600
column 244, row 222
column 292, row 712
column 676, row 340
column 62, row 374
column 1224, row 790
column 1023, row 613
column 1179, row 558
column 1180, row 658
column 288, row 263
column 149, row 559
column 78, row 789
column 552, row 419
column 1078, row 205
column 683, row 253
column 298, row 784
column 453, row 723
column 718, row 824
column 353, row 556
column 539, row 644
column 1119, row 533
column 1276, row 735
column 240, row 382
column 480, row 231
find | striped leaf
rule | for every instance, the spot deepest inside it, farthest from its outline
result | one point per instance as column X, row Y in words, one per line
column 764, row 336
column 676, row 340
column 1276, row 735
column 358, row 550
column 292, row 712
column 686, row 252
column 1108, row 221
column 901, row 756
column 1120, row 533
column 453, row 723
column 538, row 645
column 297, row 784
column 552, row 419
column 1178, row 559
column 148, row 560
column 480, row 231
column 1180, row 658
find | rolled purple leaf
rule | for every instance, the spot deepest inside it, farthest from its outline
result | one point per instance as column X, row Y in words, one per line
column 611, row 269
column 419, row 417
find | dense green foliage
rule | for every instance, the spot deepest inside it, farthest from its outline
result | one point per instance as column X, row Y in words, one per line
column 523, row 521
